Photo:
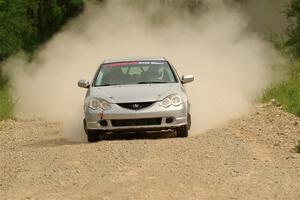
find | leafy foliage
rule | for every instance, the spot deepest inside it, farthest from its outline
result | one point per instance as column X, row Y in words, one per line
column 13, row 27
column 293, row 31
column 25, row 24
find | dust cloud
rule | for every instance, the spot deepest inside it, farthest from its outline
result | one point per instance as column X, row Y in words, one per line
column 231, row 64
column 267, row 16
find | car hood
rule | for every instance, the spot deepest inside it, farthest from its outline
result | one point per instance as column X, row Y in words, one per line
column 135, row 93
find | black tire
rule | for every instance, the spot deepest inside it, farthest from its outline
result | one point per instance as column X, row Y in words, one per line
column 84, row 126
column 182, row 131
column 189, row 121
column 92, row 136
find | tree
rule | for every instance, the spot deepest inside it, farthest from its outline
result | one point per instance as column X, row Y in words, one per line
column 293, row 31
column 24, row 24
column 14, row 27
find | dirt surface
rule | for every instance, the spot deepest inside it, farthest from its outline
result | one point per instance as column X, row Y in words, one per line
column 249, row 158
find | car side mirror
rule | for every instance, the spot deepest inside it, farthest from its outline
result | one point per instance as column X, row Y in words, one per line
column 84, row 83
column 187, row 79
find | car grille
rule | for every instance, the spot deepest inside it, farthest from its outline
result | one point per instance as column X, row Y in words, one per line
column 135, row 106
column 136, row 122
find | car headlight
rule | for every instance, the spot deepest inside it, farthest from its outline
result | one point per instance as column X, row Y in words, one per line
column 174, row 100
column 99, row 103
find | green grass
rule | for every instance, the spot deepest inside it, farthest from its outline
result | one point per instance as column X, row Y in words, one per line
column 6, row 103
column 287, row 93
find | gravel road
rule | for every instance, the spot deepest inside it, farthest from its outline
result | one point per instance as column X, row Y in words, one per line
column 248, row 158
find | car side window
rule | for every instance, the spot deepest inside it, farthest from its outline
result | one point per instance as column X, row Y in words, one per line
column 168, row 76
column 99, row 78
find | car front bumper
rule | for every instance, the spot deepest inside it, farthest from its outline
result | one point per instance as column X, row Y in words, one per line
column 106, row 120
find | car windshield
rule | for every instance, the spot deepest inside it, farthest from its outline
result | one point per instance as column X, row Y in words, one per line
column 137, row 72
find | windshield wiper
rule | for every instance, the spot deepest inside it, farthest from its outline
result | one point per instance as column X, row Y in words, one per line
column 151, row 82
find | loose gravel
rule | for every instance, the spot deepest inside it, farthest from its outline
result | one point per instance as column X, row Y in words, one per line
column 249, row 158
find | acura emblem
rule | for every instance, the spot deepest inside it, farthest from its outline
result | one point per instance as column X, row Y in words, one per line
column 136, row 106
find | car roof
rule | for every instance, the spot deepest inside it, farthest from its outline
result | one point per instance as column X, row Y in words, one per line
column 134, row 59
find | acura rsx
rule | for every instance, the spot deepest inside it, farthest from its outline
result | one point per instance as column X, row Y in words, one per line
column 133, row 95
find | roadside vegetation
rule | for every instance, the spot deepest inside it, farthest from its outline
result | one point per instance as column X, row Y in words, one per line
column 287, row 92
column 6, row 103
column 24, row 25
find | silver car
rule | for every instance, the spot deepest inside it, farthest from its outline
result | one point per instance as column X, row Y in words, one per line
column 133, row 95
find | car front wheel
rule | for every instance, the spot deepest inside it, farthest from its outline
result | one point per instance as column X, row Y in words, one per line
column 189, row 121
column 182, row 131
column 92, row 136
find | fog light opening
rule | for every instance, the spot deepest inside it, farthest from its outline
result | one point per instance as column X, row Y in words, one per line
column 103, row 123
column 169, row 120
